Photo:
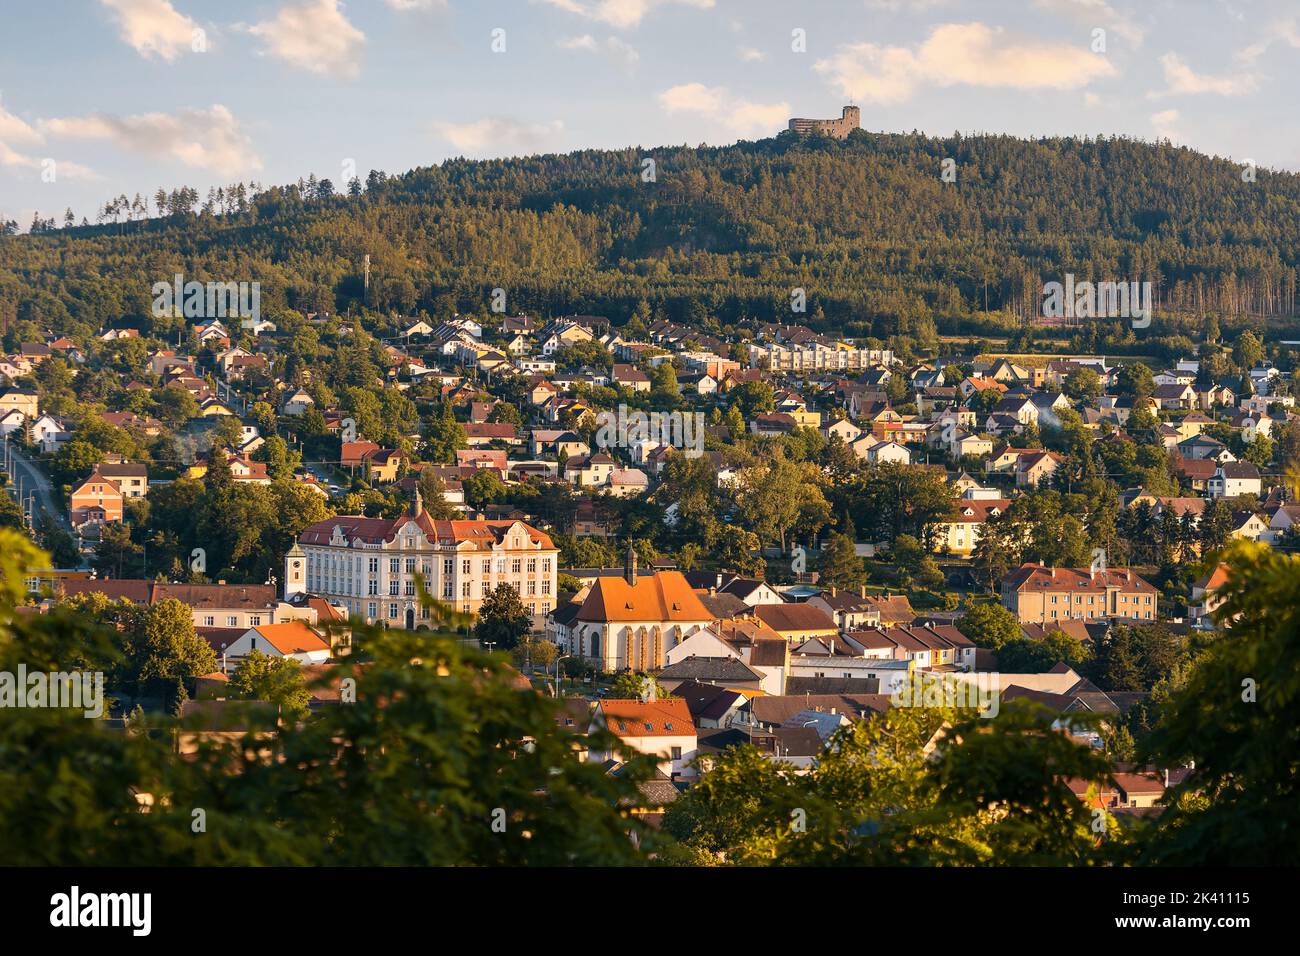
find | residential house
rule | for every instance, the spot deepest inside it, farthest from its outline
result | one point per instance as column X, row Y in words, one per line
column 658, row 728
column 292, row 639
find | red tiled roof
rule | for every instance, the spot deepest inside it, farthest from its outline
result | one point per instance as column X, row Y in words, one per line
column 658, row 718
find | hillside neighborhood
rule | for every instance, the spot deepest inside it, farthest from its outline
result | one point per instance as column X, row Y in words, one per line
column 844, row 521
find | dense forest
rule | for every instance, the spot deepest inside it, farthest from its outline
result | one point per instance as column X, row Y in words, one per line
column 881, row 243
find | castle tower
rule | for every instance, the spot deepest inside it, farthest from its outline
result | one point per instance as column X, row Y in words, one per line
column 295, row 571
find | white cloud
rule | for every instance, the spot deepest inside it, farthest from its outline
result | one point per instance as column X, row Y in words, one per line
column 738, row 116
column 499, row 136
column 402, row 6
column 153, row 27
column 208, row 139
column 584, row 42
column 618, row 50
column 1284, row 31
column 1097, row 13
column 959, row 53
column 17, row 132
column 622, row 13
column 1163, row 122
column 15, row 129
column 315, row 36
column 750, row 55
column 1183, row 79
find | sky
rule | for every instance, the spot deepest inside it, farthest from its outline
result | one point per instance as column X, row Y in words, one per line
column 101, row 97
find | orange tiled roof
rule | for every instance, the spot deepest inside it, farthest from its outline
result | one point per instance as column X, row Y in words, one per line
column 663, row 596
column 658, row 718
column 292, row 637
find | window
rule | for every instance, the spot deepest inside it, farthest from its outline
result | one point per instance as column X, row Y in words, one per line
column 546, row 566
column 677, row 753
column 394, row 565
column 232, row 621
column 465, row 566
column 372, row 609
column 374, row 565
column 448, row 566
column 487, row 567
column 392, row 587
column 532, row 565
column 532, row 588
column 464, row 589
column 209, row 621
column 372, row 587
column 410, row 565
column 255, row 620
column 446, row 589
column 392, row 612
column 501, row 566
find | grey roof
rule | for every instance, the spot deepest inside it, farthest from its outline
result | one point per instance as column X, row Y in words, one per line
column 722, row 605
column 710, row 669
column 771, row 709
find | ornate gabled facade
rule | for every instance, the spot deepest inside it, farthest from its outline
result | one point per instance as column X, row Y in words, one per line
column 369, row 565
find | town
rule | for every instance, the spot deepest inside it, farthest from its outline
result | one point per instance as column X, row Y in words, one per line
column 848, row 524
column 448, row 441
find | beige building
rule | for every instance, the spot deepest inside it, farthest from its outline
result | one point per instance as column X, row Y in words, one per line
column 369, row 565
column 961, row 533
column 1037, row 594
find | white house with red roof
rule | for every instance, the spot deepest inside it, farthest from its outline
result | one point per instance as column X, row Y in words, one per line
column 658, row 728
column 291, row 639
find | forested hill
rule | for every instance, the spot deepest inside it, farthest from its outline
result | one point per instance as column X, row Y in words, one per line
column 867, row 226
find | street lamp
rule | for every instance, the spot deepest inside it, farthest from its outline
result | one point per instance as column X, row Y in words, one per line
column 558, row 658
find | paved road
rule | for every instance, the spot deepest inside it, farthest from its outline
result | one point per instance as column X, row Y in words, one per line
column 35, row 483
column 324, row 475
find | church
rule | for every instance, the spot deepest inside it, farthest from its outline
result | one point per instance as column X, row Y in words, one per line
column 631, row 622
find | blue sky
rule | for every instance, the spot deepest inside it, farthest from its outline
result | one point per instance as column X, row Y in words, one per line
column 101, row 97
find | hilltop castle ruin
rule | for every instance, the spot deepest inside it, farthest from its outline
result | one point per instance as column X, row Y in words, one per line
column 850, row 119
